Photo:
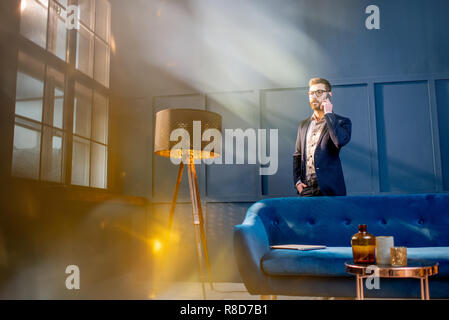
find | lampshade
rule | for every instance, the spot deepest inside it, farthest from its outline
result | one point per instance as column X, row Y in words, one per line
column 170, row 119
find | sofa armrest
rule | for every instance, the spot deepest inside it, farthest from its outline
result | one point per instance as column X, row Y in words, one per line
column 250, row 244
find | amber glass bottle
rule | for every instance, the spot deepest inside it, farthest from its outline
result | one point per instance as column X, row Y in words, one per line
column 363, row 246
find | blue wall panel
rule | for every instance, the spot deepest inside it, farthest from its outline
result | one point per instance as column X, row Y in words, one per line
column 283, row 110
column 404, row 136
column 442, row 94
column 352, row 101
column 234, row 181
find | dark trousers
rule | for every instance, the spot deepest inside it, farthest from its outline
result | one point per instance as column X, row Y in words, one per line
column 312, row 189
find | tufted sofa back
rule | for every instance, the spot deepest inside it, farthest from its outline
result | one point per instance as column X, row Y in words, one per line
column 418, row 220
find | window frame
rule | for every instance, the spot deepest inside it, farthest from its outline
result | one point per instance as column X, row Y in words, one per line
column 72, row 75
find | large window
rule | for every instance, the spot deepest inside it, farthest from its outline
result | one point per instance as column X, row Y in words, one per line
column 62, row 95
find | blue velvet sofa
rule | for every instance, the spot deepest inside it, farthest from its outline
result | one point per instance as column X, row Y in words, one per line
column 420, row 222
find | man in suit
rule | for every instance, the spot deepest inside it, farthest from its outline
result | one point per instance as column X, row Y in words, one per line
column 317, row 168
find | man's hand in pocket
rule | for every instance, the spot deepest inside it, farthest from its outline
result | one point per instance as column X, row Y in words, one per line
column 300, row 187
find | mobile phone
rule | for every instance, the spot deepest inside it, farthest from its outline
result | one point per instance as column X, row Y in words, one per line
column 328, row 96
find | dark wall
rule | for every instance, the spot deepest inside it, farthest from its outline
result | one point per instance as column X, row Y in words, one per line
column 176, row 46
column 251, row 63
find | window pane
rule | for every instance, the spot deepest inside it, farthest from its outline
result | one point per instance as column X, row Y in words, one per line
column 29, row 96
column 30, row 87
column 33, row 20
column 57, row 38
column 26, row 152
column 84, row 51
column 100, row 119
column 102, row 18
column 82, row 112
column 80, row 161
column 58, row 112
column 53, row 113
column 99, row 166
column 52, row 155
column 30, row 109
column 101, row 62
column 87, row 12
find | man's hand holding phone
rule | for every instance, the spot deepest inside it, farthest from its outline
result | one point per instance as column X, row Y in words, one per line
column 327, row 105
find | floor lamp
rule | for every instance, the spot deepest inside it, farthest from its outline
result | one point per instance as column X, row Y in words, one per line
column 189, row 125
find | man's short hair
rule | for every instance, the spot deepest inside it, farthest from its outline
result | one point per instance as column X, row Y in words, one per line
column 320, row 80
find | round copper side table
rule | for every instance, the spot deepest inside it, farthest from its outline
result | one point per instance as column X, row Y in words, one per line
column 416, row 268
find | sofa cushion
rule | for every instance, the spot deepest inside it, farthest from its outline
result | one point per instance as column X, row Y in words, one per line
column 414, row 220
column 331, row 261
column 438, row 254
column 323, row 262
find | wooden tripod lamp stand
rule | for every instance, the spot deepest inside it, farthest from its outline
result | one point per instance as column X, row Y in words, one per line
column 189, row 125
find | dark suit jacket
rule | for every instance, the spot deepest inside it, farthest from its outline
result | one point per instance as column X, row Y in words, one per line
column 336, row 133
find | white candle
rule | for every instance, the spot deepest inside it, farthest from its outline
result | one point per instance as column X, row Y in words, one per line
column 383, row 245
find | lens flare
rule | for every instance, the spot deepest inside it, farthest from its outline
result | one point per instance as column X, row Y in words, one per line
column 23, row 5
column 157, row 246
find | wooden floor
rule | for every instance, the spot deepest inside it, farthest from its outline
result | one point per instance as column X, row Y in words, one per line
column 222, row 291
column 127, row 288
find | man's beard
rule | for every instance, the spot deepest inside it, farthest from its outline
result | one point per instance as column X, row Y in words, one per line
column 316, row 106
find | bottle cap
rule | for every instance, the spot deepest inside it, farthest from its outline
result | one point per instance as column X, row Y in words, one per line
column 362, row 227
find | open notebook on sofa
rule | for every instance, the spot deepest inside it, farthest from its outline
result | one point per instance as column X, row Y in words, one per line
column 301, row 247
